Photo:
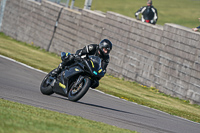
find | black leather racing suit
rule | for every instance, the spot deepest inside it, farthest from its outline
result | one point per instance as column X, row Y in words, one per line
column 149, row 14
column 92, row 49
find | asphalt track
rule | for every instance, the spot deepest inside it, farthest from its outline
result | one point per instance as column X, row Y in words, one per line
column 21, row 83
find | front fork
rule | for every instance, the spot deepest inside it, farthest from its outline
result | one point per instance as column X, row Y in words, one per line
column 78, row 81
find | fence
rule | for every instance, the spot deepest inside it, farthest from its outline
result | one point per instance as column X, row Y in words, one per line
column 2, row 7
column 87, row 4
column 61, row 2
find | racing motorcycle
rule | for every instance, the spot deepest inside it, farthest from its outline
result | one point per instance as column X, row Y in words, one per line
column 74, row 80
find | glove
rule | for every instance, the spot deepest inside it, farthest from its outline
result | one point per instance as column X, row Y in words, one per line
column 153, row 22
column 64, row 56
column 77, row 57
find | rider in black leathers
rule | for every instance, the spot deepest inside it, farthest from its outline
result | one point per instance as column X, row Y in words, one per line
column 149, row 13
column 102, row 50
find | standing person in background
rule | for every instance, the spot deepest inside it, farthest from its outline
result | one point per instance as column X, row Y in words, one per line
column 197, row 28
column 149, row 13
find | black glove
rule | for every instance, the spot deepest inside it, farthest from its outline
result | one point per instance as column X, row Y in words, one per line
column 77, row 57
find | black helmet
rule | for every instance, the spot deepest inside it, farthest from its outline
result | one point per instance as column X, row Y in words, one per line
column 105, row 44
column 149, row 2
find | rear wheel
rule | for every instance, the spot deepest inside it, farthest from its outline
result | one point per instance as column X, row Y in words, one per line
column 46, row 85
column 76, row 93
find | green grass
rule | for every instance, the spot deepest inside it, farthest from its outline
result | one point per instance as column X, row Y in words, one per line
column 182, row 12
column 130, row 91
column 28, row 54
column 19, row 118
column 150, row 97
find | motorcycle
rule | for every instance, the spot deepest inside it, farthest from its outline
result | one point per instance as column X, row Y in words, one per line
column 74, row 80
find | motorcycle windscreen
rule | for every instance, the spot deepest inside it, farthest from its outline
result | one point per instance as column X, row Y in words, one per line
column 95, row 63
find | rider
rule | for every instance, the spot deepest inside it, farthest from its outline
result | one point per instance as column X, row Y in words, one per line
column 149, row 13
column 102, row 50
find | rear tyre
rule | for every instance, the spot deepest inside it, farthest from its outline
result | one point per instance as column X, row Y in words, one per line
column 76, row 94
column 46, row 85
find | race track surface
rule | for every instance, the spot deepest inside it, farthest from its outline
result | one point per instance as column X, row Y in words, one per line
column 21, row 84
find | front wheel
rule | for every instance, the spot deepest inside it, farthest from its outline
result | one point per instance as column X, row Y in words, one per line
column 76, row 93
column 46, row 85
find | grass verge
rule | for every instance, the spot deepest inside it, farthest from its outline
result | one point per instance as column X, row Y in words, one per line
column 150, row 97
column 19, row 118
column 131, row 91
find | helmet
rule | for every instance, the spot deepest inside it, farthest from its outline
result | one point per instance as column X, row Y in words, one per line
column 105, row 44
column 149, row 2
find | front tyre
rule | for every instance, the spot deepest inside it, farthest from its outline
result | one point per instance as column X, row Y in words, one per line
column 46, row 85
column 77, row 93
